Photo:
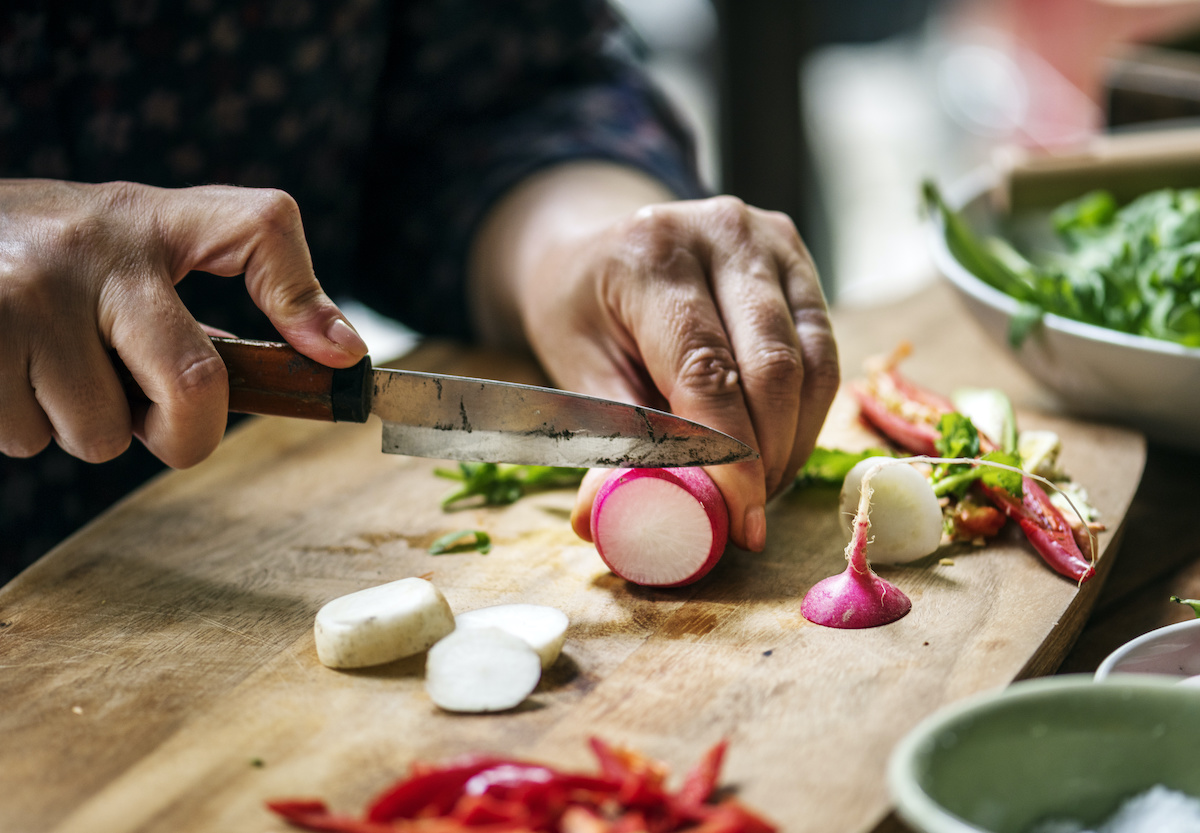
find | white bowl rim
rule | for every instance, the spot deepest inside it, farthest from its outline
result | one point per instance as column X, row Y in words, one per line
column 1105, row 669
column 975, row 185
column 915, row 806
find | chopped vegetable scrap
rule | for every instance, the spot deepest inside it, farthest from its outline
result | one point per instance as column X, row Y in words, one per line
column 501, row 795
column 1194, row 604
column 977, row 498
column 463, row 540
column 1135, row 269
column 500, row 485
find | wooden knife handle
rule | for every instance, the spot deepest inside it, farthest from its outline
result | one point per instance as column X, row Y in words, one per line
column 267, row 377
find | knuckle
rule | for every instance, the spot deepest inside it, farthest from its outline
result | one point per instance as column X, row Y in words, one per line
column 776, row 367
column 709, row 370
column 274, row 211
column 730, row 215
column 199, row 380
column 823, row 376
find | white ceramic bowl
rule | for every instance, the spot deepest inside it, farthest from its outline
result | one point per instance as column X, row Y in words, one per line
column 1146, row 383
column 1173, row 651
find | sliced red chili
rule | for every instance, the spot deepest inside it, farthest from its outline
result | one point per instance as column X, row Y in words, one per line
column 428, row 791
column 1045, row 527
column 701, row 781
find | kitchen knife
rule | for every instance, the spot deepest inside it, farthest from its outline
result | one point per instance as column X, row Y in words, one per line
column 459, row 418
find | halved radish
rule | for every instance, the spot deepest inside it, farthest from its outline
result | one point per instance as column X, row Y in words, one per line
column 543, row 627
column 381, row 624
column 660, row 527
column 481, row 670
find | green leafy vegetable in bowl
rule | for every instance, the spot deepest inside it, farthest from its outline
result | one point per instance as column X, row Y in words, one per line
column 1132, row 268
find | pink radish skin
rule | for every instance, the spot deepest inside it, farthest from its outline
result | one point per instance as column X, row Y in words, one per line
column 857, row 597
column 660, row 527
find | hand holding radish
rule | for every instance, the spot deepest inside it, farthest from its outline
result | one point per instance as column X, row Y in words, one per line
column 710, row 308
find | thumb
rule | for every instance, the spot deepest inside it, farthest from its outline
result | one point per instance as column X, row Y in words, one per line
column 228, row 231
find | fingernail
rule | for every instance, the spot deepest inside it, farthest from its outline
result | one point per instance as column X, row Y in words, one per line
column 755, row 527
column 344, row 336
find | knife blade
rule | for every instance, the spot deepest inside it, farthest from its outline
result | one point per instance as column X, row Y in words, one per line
column 462, row 418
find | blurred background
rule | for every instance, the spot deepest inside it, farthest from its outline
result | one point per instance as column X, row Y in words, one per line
column 836, row 111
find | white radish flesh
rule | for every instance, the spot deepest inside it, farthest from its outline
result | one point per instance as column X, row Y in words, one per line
column 381, row 624
column 660, row 527
column 906, row 520
column 481, row 670
column 543, row 627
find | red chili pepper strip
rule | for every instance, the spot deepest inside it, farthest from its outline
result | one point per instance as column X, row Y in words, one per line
column 731, row 816
column 430, row 791
column 1045, row 527
column 314, row 815
column 916, row 437
column 701, row 781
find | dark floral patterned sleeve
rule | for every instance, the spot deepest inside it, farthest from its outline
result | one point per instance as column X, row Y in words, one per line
column 394, row 123
column 475, row 97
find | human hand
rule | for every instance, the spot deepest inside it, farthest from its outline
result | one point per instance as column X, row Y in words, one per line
column 710, row 309
column 88, row 268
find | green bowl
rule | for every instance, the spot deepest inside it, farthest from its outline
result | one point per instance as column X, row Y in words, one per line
column 1055, row 748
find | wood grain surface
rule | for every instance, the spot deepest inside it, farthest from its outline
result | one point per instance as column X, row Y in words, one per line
column 158, row 673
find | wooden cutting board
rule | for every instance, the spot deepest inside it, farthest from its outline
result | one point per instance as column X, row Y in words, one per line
column 158, row 671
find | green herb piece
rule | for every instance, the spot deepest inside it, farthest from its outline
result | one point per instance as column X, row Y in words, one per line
column 961, row 439
column 991, row 412
column 464, row 540
column 1194, row 604
column 500, row 485
column 829, row 466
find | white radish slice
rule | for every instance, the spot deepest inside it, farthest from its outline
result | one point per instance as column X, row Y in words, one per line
column 906, row 520
column 543, row 627
column 660, row 527
column 381, row 624
column 481, row 670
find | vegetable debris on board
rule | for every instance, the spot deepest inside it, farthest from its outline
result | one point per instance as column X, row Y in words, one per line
column 1132, row 268
column 464, row 540
column 978, row 498
column 628, row 793
column 499, row 485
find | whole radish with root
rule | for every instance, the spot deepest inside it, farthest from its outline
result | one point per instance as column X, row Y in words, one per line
column 858, row 597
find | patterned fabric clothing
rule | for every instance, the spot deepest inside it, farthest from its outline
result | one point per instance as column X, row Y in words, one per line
column 395, row 125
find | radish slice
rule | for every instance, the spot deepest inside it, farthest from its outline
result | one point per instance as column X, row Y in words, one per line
column 660, row 527
column 381, row 624
column 544, row 628
column 481, row 670
column 906, row 520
